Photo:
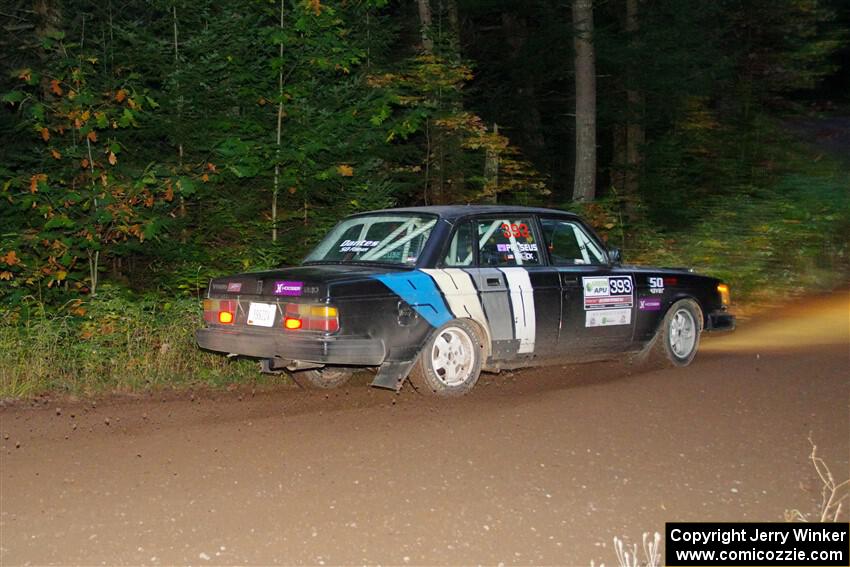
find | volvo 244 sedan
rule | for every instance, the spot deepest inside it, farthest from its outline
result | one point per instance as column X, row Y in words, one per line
column 435, row 295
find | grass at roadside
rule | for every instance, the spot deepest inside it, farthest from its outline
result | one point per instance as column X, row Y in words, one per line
column 119, row 344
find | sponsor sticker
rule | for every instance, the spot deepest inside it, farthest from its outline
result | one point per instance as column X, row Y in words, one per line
column 608, row 292
column 656, row 285
column 503, row 247
column 607, row 317
column 234, row 287
column 649, row 304
column 288, row 288
column 358, row 245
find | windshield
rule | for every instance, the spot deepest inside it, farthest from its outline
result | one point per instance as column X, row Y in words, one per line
column 389, row 238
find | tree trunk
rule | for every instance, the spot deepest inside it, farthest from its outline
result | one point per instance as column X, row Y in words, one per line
column 454, row 25
column 585, row 68
column 276, row 188
column 425, row 25
column 634, row 130
column 177, row 83
column 516, row 33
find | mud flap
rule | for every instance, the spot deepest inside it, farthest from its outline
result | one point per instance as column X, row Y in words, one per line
column 391, row 375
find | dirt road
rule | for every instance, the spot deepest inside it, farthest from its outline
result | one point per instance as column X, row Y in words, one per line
column 538, row 466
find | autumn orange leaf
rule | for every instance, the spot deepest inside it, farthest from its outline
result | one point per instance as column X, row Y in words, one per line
column 92, row 136
column 316, row 6
column 11, row 258
column 211, row 167
column 205, row 178
column 85, row 163
column 55, row 154
column 112, row 159
column 45, row 134
column 345, row 170
column 5, row 275
column 35, row 179
column 169, row 194
column 55, row 88
column 120, row 95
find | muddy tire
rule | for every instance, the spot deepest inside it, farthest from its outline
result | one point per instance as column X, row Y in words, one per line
column 323, row 378
column 677, row 339
column 450, row 363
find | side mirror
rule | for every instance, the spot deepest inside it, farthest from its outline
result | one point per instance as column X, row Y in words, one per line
column 615, row 257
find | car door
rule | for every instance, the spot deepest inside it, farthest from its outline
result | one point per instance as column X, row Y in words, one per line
column 519, row 293
column 597, row 300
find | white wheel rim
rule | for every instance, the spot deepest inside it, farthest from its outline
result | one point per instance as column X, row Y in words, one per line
column 452, row 356
column 683, row 334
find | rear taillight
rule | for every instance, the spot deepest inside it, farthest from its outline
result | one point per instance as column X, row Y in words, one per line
column 310, row 317
column 723, row 290
column 219, row 311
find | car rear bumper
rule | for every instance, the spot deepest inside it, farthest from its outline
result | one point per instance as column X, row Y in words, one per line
column 720, row 321
column 316, row 348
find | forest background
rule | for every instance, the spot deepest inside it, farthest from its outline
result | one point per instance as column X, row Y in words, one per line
column 148, row 145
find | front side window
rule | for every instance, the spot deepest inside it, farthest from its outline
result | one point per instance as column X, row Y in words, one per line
column 506, row 242
column 569, row 244
column 389, row 238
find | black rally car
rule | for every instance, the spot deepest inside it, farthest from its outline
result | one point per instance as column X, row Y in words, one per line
column 438, row 294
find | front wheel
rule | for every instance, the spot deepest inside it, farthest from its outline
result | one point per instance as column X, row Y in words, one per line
column 323, row 378
column 677, row 340
column 450, row 363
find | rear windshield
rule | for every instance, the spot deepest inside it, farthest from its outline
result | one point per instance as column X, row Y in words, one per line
column 390, row 238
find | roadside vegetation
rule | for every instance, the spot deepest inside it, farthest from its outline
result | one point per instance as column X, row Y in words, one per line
column 789, row 236
column 149, row 149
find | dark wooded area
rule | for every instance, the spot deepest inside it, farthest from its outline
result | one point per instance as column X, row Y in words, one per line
column 150, row 145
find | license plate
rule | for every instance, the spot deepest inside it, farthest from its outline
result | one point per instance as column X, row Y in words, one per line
column 262, row 314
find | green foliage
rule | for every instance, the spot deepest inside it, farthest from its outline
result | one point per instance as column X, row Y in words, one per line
column 141, row 149
column 786, row 232
column 118, row 343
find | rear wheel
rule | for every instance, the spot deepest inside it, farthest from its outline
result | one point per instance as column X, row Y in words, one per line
column 677, row 340
column 323, row 378
column 450, row 363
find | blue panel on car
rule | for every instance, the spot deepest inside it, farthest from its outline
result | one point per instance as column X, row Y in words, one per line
column 421, row 293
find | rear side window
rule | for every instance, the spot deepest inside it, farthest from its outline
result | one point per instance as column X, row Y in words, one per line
column 461, row 248
column 506, row 242
column 569, row 244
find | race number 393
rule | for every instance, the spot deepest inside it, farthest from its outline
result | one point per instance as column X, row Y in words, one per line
column 620, row 285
